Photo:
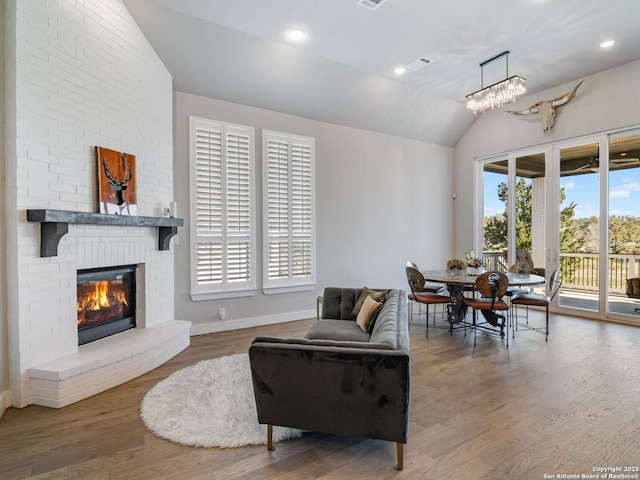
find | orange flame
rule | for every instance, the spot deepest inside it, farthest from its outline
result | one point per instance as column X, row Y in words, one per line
column 101, row 297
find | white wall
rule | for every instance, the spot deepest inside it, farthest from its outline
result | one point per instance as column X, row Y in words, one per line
column 380, row 201
column 607, row 100
column 83, row 75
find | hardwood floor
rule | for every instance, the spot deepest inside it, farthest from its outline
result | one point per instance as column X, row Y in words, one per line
column 536, row 408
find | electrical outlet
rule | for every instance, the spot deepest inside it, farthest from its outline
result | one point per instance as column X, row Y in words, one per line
column 222, row 313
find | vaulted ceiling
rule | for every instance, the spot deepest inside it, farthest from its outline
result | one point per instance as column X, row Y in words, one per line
column 343, row 71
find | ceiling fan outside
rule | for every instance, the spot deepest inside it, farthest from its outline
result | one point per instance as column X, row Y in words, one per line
column 619, row 163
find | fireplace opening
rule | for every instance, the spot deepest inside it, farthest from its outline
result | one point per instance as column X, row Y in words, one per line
column 106, row 302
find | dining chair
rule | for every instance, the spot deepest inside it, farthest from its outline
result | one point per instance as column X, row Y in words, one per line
column 416, row 283
column 491, row 286
column 536, row 300
column 512, row 290
column 430, row 287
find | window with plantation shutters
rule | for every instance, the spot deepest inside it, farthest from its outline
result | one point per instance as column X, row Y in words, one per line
column 222, row 209
column 289, row 225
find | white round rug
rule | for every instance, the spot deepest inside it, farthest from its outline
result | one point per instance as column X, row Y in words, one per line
column 209, row 404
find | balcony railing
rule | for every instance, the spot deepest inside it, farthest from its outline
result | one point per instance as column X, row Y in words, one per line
column 495, row 261
column 580, row 270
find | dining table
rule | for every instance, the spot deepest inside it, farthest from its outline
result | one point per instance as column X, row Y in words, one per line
column 456, row 281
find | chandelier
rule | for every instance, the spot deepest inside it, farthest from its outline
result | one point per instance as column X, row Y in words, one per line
column 498, row 94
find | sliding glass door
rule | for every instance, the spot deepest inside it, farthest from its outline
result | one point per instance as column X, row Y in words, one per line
column 515, row 188
column 573, row 206
column 530, row 208
column 579, row 225
column 495, row 232
column 624, row 223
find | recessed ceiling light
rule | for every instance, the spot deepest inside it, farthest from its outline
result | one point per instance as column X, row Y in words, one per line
column 297, row 34
column 399, row 70
column 607, row 43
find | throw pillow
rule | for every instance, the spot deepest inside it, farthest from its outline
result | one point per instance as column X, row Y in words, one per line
column 368, row 314
column 377, row 295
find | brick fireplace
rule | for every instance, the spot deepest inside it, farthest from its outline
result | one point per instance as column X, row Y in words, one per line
column 78, row 371
column 83, row 75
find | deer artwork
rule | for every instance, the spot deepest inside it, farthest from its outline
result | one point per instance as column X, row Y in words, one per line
column 546, row 109
column 119, row 186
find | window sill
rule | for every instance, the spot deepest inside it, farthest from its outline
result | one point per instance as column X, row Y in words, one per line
column 204, row 296
column 289, row 289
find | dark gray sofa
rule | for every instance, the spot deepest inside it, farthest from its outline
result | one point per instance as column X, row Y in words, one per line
column 338, row 379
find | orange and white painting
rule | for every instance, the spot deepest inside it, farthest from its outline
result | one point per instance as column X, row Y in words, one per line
column 116, row 182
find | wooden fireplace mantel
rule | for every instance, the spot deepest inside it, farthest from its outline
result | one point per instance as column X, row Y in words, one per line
column 54, row 224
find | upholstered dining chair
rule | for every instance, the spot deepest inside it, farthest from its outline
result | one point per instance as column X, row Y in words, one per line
column 418, row 295
column 511, row 291
column 430, row 287
column 491, row 286
column 532, row 299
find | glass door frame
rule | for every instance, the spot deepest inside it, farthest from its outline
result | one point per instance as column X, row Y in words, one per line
column 622, row 133
column 550, row 213
column 603, row 224
column 552, row 210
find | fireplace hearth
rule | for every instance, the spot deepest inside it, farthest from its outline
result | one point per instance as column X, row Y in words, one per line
column 106, row 302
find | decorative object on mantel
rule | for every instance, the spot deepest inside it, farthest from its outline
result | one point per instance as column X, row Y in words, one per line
column 54, row 224
column 546, row 109
column 499, row 94
column 209, row 404
column 116, row 182
column 473, row 263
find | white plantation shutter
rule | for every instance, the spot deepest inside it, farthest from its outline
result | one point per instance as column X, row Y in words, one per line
column 288, row 189
column 223, row 233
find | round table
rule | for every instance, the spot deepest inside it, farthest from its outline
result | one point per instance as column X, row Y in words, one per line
column 456, row 280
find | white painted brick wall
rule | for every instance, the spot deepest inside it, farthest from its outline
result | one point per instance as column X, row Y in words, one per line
column 112, row 362
column 85, row 76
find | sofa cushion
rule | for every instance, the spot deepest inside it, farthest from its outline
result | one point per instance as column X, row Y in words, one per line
column 339, row 330
column 367, row 315
column 337, row 303
column 377, row 295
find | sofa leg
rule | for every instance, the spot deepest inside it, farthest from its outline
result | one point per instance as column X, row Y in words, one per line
column 270, row 438
column 400, row 453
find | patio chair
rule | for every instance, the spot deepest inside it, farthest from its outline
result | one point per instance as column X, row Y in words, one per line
column 633, row 289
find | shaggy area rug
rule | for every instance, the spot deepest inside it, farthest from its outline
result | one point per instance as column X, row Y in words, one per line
column 209, row 404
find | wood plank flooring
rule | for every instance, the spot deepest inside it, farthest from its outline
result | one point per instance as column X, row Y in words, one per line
column 536, row 408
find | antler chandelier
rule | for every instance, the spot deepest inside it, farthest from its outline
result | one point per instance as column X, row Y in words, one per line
column 499, row 94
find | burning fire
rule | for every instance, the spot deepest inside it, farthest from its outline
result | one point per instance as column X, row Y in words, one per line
column 102, row 298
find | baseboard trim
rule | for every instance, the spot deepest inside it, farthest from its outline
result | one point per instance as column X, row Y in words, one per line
column 238, row 324
column 5, row 402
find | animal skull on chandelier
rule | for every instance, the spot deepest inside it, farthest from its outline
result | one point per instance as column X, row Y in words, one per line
column 546, row 109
